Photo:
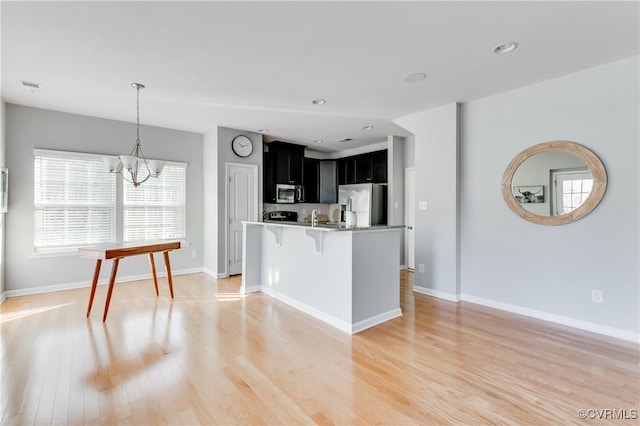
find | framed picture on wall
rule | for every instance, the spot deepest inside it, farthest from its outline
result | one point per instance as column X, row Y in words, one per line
column 4, row 189
column 529, row 194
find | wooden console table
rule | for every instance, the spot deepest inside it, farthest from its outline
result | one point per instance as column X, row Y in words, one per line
column 121, row 250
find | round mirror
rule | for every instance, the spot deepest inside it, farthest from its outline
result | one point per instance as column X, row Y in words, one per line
column 554, row 183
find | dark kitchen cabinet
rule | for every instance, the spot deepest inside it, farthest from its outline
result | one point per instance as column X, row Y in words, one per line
column 311, row 180
column 350, row 170
column 341, row 164
column 328, row 183
column 379, row 166
column 269, row 177
column 364, row 168
column 289, row 162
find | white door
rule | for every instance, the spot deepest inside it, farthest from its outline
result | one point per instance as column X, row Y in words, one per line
column 242, row 204
column 410, row 212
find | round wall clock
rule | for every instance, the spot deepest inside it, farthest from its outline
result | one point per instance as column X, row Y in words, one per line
column 242, row 146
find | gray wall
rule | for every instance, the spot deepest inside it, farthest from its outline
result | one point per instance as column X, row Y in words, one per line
column 2, row 216
column 28, row 128
column 554, row 268
column 218, row 152
column 395, row 187
column 409, row 151
column 436, row 183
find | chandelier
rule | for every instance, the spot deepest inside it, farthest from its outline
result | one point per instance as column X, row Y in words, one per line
column 134, row 168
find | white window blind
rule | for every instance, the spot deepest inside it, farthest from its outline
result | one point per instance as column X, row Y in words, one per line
column 156, row 209
column 74, row 200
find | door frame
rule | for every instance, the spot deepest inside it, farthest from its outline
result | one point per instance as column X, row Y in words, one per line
column 407, row 170
column 256, row 199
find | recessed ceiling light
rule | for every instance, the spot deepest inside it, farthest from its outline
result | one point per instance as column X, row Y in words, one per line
column 505, row 48
column 414, row 77
column 367, row 128
column 318, row 101
column 263, row 130
column 343, row 140
column 318, row 141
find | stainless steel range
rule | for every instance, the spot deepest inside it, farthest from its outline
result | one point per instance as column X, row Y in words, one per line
column 281, row 216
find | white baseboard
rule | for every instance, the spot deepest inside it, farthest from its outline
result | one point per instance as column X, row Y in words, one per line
column 558, row 319
column 373, row 321
column 436, row 293
column 83, row 284
column 3, row 297
column 331, row 320
column 215, row 275
column 251, row 289
column 403, row 267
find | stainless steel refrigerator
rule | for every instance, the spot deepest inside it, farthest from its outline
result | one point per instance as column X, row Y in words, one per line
column 368, row 200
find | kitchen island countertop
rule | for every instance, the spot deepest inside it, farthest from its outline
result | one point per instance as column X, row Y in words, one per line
column 346, row 277
column 332, row 227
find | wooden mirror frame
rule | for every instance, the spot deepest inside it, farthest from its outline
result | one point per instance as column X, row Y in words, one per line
column 589, row 158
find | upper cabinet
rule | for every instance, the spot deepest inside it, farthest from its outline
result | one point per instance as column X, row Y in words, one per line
column 287, row 160
column 311, row 180
column 364, row 168
column 285, row 163
column 379, row 166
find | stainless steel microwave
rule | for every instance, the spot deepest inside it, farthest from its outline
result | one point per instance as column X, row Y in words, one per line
column 289, row 194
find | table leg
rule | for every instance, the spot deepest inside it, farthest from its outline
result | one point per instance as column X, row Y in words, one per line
column 153, row 272
column 167, row 266
column 94, row 285
column 112, row 281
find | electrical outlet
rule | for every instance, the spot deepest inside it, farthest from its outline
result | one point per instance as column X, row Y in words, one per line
column 422, row 205
column 421, row 268
column 395, row 206
column 304, row 211
column 194, row 253
column 596, row 296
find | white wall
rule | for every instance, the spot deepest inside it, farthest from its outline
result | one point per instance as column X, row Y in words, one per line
column 218, row 152
column 554, row 268
column 436, row 138
column 28, row 128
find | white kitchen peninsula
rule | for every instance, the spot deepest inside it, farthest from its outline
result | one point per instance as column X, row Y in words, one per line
column 347, row 277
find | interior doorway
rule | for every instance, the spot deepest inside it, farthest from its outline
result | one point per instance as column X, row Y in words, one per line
column 410, row 217
column 242, row 204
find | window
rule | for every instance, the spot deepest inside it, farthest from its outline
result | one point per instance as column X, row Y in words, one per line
column 78, row 203
column 156, row 209
column 572, row 188
column 74, row 200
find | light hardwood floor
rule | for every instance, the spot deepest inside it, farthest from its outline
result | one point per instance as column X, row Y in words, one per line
column 211, row 356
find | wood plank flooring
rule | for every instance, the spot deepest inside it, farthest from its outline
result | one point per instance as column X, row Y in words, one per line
column 212, row 356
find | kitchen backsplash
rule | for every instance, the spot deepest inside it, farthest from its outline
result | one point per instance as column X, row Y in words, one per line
column 303, row 209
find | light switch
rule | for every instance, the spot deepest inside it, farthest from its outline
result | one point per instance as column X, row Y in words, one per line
column 422, row 205
column 395, row 206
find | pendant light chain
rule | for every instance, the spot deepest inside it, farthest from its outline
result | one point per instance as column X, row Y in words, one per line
column 128, row 166
column 138, row 114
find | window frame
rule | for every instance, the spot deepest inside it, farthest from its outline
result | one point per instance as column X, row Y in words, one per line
column 117, row 231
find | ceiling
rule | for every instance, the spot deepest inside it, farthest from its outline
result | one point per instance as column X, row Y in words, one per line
column 258, row 65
